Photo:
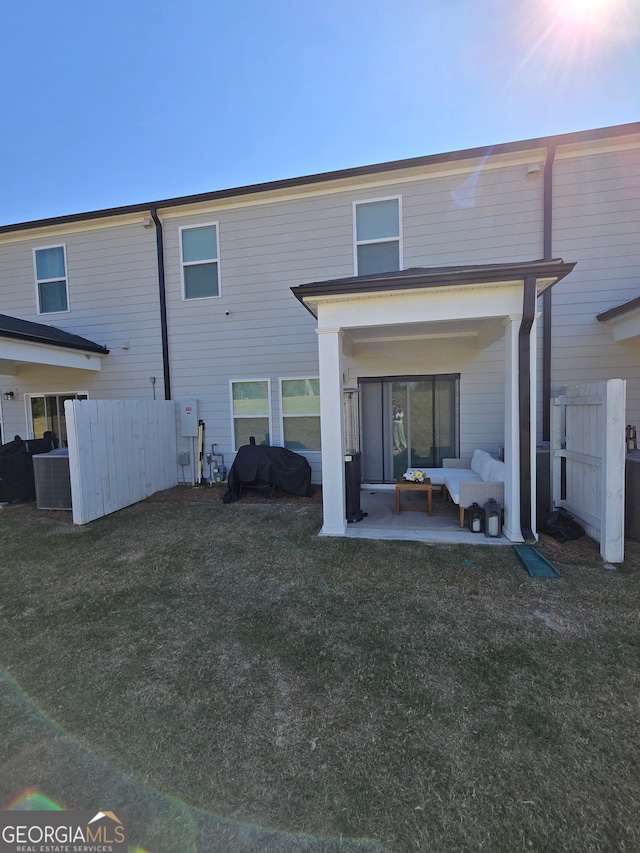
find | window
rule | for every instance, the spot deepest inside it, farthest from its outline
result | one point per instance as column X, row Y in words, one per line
column 377, row 226
column 199, row 249
column 300, row 413
column 51, row 279
column 47, row 414
column 251, row 406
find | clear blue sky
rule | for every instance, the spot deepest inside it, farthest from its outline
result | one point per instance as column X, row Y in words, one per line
column 127, row 101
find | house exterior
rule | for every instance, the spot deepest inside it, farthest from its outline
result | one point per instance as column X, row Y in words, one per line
column 404, row 284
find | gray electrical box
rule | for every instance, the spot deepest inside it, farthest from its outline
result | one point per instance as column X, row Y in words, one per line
column 189, row 418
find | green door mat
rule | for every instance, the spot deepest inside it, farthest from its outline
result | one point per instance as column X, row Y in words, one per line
column 533, row 561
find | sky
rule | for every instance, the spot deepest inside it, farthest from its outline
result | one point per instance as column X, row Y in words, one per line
column 129, row 101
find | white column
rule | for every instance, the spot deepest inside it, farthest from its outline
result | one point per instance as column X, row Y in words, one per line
column 511, row 432
column 533, row 427
column 332, row 432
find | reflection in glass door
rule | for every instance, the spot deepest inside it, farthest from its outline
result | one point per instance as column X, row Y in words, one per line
column 407, row 422
column 47, row 414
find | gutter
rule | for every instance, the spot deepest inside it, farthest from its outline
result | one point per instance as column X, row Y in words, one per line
column 524, row 406
column 547, row 304
column 163, row 303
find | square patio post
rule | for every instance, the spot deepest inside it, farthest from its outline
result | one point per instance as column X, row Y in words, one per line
column 511, row 432
column 332, row 432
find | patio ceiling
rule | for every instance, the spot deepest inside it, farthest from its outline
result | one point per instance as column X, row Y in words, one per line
column 476, row 333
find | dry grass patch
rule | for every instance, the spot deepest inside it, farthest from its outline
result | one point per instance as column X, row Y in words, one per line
column 423, row 697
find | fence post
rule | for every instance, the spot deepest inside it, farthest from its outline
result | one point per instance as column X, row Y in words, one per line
column 613, row 462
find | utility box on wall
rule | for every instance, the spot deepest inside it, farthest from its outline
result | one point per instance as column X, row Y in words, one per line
column 189, row 418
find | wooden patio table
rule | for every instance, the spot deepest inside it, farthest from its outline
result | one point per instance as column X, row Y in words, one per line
column 408, row 486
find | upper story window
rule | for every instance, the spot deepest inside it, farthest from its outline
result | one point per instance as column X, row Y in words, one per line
column 378, row 244
column 51, row 279
column 200, row 273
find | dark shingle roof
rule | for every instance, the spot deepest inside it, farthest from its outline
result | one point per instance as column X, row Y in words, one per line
column 39, row 333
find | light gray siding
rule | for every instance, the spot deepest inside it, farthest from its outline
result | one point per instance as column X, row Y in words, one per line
column 113, row 301
column 596, row 223
column 452, row 214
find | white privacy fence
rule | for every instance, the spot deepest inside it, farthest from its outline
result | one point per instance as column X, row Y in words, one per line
column 588, row 460
column 120, row 452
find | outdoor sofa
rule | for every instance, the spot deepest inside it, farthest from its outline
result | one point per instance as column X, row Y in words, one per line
column 469, row 481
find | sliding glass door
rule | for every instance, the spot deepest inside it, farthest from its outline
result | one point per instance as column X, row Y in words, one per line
column 47, row 414
column 407, row 422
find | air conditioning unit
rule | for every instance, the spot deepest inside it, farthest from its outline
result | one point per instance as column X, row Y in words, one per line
column 53, row 481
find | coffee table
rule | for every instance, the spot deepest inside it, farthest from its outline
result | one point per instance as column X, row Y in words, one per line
column 408, row 486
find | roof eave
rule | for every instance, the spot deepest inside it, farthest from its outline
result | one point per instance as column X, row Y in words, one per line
column 408, row 280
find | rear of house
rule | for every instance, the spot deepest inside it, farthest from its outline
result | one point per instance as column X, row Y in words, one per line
column 191, row 299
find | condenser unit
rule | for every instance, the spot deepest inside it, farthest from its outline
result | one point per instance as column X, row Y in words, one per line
column 53, row 482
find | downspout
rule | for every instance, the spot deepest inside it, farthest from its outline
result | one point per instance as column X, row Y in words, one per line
column 547, row 226
column 524, row 405
column 163, row 304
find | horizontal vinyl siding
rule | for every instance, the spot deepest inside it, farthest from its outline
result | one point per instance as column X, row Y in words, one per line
column 597, row 224
column 267, row 249
column 113, row 301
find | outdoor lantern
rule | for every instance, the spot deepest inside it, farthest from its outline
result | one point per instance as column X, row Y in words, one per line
column 476, row 518
column 492, row 518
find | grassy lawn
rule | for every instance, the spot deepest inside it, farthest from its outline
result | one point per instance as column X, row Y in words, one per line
column 240, row 684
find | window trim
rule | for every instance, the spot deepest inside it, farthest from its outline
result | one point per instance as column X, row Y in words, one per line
column 399, row 238
column 215, row 260
column 233, row 382
column 39, row 281
column 283, row 416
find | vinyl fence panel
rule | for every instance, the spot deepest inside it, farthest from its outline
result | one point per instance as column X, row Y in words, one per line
column 120, row 452
column 588, row 445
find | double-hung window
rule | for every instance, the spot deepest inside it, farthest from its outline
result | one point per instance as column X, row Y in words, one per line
column 51, row 279
column 200, row 261
column 377, row 236
column 300, row 413
column 251, row 412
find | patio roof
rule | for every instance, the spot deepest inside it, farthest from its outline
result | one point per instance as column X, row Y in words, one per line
column 624, row 319
column 546, row 272
column 23, row 341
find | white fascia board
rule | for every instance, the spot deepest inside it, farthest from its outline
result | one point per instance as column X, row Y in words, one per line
column 434, row 305
column 626, row 327
column 31, row 353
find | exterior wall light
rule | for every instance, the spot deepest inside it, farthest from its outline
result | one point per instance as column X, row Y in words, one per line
column 8, row 395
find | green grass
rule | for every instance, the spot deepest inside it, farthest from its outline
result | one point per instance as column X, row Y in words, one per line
column 240, row 684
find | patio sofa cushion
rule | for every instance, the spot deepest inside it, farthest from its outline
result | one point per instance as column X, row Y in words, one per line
column 469, row 481
column 497, row 472
column 454, row 478
column 481, row 464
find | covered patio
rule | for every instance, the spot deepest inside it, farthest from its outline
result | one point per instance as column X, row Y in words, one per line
column 382, row 522
column 422, row 311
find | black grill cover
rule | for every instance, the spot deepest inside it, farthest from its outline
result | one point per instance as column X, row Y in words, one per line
column 276, row 466
column 16, row 467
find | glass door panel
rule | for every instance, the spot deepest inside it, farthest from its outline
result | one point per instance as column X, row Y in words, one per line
column 407, row 422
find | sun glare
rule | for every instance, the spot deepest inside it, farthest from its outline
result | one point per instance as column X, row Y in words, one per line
column 595, row 23
column 588, row 11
